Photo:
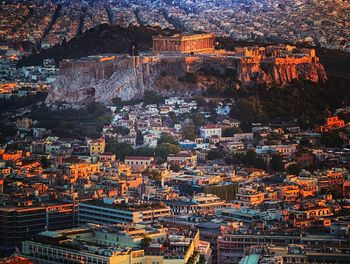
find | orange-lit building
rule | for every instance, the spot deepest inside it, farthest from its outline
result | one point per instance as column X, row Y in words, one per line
column 314, row 216
column 249, row 197
column 5, row 171
column 346, row 189
column 107, row 157
column 82, row 170
column 15, row 260
column 15, row 155
column 289, row 193
column 307, row 186
column 332, row 122
column 184, row 43
column 332, row 181
column 1, row 185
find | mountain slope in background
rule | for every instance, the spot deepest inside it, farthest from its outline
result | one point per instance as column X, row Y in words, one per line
column 99, row 40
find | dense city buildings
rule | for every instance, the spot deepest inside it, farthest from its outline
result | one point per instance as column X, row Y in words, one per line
column 117, row 244
column 174, row 132
column 317, row 22
column 57, row 192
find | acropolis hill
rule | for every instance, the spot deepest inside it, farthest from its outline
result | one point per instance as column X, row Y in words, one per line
column 180, row 65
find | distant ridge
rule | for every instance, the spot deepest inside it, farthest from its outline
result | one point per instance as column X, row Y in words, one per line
column 101, row 39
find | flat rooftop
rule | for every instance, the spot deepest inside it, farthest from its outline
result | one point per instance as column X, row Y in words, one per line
column 132, row 207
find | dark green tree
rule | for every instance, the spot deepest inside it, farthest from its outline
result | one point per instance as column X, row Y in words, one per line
column 151, row 97
column 214, row 154
column 294, row 169
column 165, row 149
column 121, row 130
column 120, row 149
column 230, row 131
column 167, row 138
column 331, row 140
column 189, row 132
column 175, row 167
column 145, row 242
column 276, row 163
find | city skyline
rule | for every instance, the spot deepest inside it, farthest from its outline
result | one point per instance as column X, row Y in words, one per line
column 174, row 132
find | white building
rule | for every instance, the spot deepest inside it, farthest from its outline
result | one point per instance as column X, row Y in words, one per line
column 207, row 131
column 111, row 211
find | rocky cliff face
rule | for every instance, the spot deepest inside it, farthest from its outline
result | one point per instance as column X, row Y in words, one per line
column 279, row 71
column 103, row 79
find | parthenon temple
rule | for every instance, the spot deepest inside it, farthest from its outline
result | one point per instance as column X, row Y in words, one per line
column 184, row 43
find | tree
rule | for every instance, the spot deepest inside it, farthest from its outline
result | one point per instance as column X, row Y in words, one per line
column 189, row 132
column 202, row 259
column 167, row 138
column 331, row 140
column 121, row 130
column 117, row 101
column 151, row 97
column 175, row 167
column 63, row 125
column 200, row 101
column 165, row 149
column 154, row 175
column 44, row 162
column 199, row 119
column 8, row 130
column 98, row 109
column 250, row 157
column 143, row 151
column 214, row 154
column 230, row 131
column 119, row 149
column 145, row 242
column 276, row 163
column 294, row 169
column 191, row 77
column 102, row 121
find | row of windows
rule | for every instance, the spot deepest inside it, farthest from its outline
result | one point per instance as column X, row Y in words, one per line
column 62, row 256
column 99, row 212
column 137, row 163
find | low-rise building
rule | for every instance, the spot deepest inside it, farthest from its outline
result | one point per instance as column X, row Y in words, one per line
column 114, row 211
column 138, row 160
column 96, row 146
column 207, row 131
column 114, row 245
column 81, row 170
column 186, row 158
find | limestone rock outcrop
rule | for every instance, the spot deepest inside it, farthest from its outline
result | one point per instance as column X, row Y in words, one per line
column 279, row 71
column 102, row 78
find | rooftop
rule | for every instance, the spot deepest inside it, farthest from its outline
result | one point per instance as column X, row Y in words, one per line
column 132, row 207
